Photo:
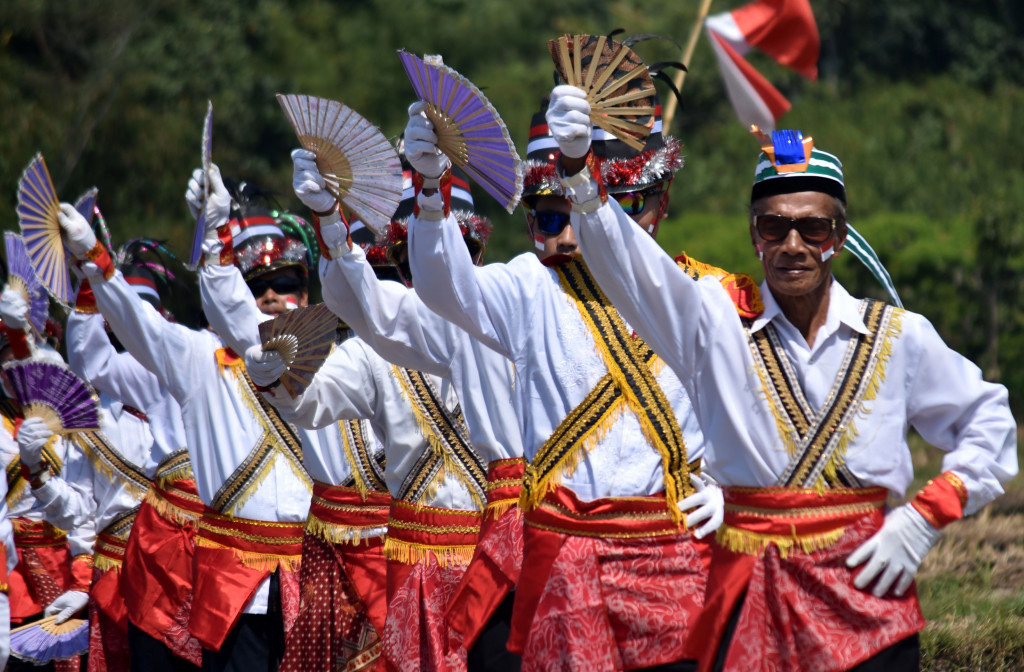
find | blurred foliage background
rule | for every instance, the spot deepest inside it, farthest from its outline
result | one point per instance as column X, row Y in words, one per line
column 921, row 100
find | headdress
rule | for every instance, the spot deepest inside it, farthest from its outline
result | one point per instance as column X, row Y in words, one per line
column 266, row 239
column 789, row 163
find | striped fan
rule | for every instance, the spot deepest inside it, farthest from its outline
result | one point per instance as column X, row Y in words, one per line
column 23, row 280
column 197, row 237
column 43, row 641
column 469, row 130
column 357, row 162
column 37, row 215
column 619, row 88
column 55, row 394
column 304, row 337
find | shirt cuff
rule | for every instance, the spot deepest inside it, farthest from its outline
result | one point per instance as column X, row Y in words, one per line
column 942, row 500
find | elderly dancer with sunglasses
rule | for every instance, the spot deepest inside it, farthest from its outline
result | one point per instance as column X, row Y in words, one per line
column 612, row 579
column 806, row 407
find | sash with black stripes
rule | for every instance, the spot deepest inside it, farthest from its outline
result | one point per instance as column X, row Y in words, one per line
column 98, row 448
column 367, row 467
column 817, row 434
column 449, row 429
column 176, row 465
column 629, row 362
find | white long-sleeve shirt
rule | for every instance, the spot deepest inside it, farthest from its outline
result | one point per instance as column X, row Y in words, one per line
column 694, row 326
column 394, row 321
column 520, row 310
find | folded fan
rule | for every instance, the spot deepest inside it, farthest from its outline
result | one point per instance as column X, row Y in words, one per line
column 43, row 641
column 54, row 393
column 38, row 208
column 22, row 279
column 619, row 88
column 356, row 160
column 469, row 130
column 304, row 337
column 200, row 232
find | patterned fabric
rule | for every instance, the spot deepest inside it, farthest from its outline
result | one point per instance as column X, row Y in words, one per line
column 108, row 641
column 333, row 631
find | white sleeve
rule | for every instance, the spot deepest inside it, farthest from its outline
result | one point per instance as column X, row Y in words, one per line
column 956, row 410
column 230, row 306
column 343, row 389
column 68, row 501
column 7, row 529
column 387, row 315
column 490, row 302
column 92, row 356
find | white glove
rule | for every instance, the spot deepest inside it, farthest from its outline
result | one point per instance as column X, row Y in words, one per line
column 13, row 309
column 78, row 235
column 32, row 436
column 569, row 122
column 308, row 183
column 708, row 504
column 895, row 551
column 421, row 144
column 218, row 208
column 67, row 605
column 264, row 367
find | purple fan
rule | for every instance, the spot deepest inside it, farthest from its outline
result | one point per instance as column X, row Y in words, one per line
column 469, row 130
column 55, row 394
column 43, row 641
column 86, row 207
column 197, row 237
column 23, row 280
column 37, row 215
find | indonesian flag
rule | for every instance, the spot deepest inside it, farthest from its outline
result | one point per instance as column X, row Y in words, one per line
column 783, row 29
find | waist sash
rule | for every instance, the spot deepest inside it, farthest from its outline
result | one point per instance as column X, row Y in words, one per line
column 342, row 515
column 415, row 533
column 37, row 533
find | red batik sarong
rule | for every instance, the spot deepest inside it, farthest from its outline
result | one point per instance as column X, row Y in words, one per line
column 787, row 548
column 614, row 584
column 427, row 549
column 108, row 618
column 498, row 558
column 343, row 583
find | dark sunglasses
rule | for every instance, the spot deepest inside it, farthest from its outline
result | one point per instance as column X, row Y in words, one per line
column 773, row 228
column 633, row 202
column 282, row 284
column 550, row 222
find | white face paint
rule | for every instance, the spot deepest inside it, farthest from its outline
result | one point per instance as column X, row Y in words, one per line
column 827, row 249
column 538, row 242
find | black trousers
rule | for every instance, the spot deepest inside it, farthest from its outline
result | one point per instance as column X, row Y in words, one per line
column 256, row 643
column 903, row 656
column 489, row 653
column 149, row 654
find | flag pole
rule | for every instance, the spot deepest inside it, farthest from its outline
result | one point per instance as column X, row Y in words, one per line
column 691, row 44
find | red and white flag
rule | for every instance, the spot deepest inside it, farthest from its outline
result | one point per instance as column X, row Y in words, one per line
column 783, row 29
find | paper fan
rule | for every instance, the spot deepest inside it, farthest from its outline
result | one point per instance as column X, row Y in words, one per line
column 619, row 88
column 357, row 162
column 55, row 394
column 37, row 215
column 86, row 207
column 197, row 237
column 469, row 130
column 304, row 337
column 43, row 641
column 22, row 279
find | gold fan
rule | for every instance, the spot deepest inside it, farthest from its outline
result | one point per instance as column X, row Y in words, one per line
column 304, row 337
column 619, row 89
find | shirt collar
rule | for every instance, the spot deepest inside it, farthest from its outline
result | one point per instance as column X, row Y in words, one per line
column 842, row 308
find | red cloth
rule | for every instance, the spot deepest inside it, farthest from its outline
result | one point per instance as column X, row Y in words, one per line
column 498, row 558
column 156, row 578
column 614, row 584
column 224, row 582
column 44, row 567
column 801, row 612
column 108, row 624
column 942, row 500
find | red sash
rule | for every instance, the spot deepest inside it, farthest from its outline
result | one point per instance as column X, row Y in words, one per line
column 44, row 567
column 108, row 557
column 787, row 547
column 498, row 558
column 232, row 557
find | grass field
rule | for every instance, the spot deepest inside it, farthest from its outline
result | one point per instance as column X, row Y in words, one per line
column 971, row 585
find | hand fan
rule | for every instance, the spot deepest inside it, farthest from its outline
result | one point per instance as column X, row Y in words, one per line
column 23, row 280
column 86, row 207
column 37, row 215
column 304, row 337
column 43, row 641
column 197, row 237
column 469, row 130
column 358, row 164
column 55, row 394
column 619, row 88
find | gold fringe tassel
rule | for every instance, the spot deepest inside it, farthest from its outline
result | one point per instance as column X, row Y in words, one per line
column 338, row 534
column 409, row 553
column 104, row 469
column 754, row 543
column 105, row 563
column 497, row 509
column 263, row 562
column 169, row 511
column 182, row 473
column 360, row 484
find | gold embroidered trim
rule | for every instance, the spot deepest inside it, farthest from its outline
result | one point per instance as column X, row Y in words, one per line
column 815, row 512
column 611, row 515
column 342, row 534
column 669, row 531
column 367, row 468
column 170, row 511
column 754, row 543
column 263, row 562
column 109, row 462
column 958, row 485
column 174, row 467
